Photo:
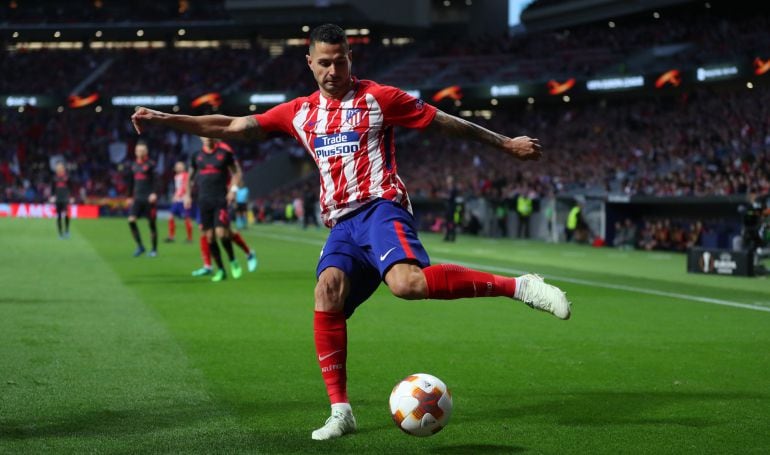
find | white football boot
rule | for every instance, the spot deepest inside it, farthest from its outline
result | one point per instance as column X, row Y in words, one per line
column 340, row 423
column 533, row 291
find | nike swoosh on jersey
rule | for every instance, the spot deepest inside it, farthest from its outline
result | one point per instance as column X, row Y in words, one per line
column 383, row 256
column 321, row 358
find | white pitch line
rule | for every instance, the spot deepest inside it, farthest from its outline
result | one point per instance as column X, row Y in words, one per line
column 620, row 287
column 598, row 284
column 298, row 238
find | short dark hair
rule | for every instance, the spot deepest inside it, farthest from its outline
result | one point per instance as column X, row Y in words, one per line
column 329, row 33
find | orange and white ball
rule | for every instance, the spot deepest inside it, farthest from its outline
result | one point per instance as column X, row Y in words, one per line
column 421, row 404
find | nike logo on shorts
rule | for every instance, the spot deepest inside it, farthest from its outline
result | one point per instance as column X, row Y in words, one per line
column 383, row 256
column 321, row 358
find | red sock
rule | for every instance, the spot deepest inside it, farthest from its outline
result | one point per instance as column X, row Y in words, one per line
column 205, row 252
column 449, row 281
column 188, row 227
column 171, row 227
column 331, row 343
column 236, row 236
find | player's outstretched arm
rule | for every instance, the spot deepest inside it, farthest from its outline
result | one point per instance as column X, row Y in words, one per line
column 187, row 200
column 213, row 126
column 521, row 147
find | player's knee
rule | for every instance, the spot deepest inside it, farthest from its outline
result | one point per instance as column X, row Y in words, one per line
column 221, row 232
column 132, row 219
column 409, row 286
column 330, row 292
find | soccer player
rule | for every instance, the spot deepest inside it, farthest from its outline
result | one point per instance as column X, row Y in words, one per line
column 251, row 257
column 242, row 207
column 206, row 269
column 347, row 127
column 178, row 209
column 60, row 195
column 211, row 169
column 141, row 187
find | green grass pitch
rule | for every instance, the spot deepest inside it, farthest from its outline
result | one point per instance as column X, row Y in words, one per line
column 104, row 353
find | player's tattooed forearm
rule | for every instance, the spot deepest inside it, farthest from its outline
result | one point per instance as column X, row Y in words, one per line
column 251, row 131
column 458, row 127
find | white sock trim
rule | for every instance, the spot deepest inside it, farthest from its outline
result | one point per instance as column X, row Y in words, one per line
column 343, row 407
column 517, row 289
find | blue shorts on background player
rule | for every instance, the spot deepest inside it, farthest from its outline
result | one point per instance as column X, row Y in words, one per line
column 178, row 211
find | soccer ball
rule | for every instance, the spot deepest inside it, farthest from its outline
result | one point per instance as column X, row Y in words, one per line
column 421, row 404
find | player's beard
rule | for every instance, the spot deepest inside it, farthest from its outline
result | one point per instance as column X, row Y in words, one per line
column 337, row 87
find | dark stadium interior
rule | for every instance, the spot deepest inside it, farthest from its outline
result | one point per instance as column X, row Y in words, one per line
column 697, row 140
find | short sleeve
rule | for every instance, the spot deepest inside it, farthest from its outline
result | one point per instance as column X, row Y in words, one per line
column 230, row 159
column 400, row 108
column 278, row 118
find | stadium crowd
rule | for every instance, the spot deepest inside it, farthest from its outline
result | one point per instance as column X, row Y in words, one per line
column 709, row 142
column 703, row 142
column 181, row 71
column 57, row 12
column 96, row 148
column 682, row 36
column 660, row 234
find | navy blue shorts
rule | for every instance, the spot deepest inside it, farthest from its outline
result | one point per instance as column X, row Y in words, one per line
column 178, row 210
column 366, row 244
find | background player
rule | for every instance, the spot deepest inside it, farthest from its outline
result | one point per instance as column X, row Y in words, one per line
column 60, row 195
column 347, row 127
column 143, row 199
column 211, row 170
column 206, row 269
column 178, row 209
column 242, row 207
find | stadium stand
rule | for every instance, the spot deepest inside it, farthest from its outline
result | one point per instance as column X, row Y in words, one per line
column 705, row 141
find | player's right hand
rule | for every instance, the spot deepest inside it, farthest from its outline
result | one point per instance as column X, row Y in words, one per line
column 143, row 115
column 129, row 201
column 187, row 201
column 52, row 199
column 524, row 148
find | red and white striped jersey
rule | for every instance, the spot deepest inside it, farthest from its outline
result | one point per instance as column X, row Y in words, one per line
column 351, row 141
column 180, row 186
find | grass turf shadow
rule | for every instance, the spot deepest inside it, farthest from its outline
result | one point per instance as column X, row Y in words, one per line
column 477, row 448
column 615, row 408
column 109, row 422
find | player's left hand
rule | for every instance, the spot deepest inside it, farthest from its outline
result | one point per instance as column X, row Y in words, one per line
column 143, row 115
column 152, row 198
column 72, row 200
column 524, row 148
column 230, row 197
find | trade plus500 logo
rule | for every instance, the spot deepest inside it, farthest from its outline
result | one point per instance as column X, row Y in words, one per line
column 336, row 144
